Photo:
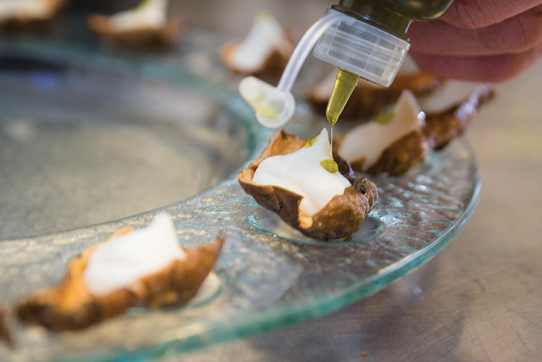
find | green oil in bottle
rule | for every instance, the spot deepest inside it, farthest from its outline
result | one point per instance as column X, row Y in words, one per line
column 344, row 86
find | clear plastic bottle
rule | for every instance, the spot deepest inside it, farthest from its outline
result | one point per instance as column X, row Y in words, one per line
column 363, row 38
column 374, row 45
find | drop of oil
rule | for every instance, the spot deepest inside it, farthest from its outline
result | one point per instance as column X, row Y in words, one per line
column 330, row 165
column 344, row 86
column 384, row 118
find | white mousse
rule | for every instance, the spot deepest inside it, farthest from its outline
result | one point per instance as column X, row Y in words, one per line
column 302, row 173
column 22, row 9
column 150, row 14
column 370, row 139
column 265, row 35
column 122, row 261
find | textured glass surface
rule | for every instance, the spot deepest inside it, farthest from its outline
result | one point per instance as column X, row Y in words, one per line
column 265, row 282
column 82, row 144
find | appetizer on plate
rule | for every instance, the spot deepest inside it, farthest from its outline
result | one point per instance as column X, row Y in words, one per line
column 144, row 28
column 145, row 267
column 263, row 53
column 397, row 140
column 369, row 99
column 27, row 15
column 289, row 179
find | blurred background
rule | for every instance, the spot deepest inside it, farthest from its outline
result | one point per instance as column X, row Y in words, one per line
column 233, row 16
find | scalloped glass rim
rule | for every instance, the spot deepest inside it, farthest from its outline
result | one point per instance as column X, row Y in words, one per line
column 301, row 295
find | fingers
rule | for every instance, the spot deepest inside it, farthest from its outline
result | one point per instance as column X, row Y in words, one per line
column 494, row 68
column 517, row 34
column 480, row 40
column 473, row 14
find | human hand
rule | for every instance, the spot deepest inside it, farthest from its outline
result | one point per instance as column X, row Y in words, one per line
column 480, row 40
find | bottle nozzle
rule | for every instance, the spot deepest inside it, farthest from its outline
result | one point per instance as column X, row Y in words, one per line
column 344, row 86
column 273, row 107
column 363, row 49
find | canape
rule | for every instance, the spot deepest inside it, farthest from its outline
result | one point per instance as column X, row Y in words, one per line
column 145, row 267
column 263, row 53
column 397, row 140
column 145, row 27
column 27, row 15
column 288, row 179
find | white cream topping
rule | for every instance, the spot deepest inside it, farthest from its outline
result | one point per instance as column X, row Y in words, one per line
column 266, row 34
column 35, row 9
column 369, row 140
column 151, row 13
column 454, row 91
column 121, row 262
column 302, row 173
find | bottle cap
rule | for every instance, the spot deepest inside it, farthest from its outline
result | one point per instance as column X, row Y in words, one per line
column 362, row 49
column 273, row 106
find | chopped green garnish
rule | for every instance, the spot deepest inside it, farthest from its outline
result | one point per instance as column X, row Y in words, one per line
column 311, row 142
column 384, row 118
column 330, row 165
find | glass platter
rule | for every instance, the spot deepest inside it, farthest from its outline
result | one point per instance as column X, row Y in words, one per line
column 86, row 103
